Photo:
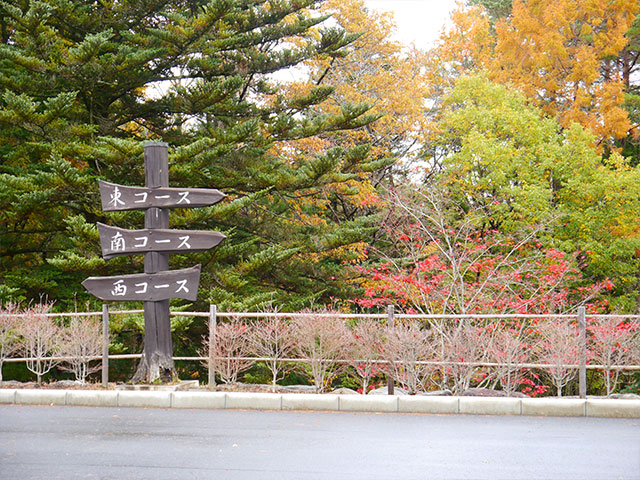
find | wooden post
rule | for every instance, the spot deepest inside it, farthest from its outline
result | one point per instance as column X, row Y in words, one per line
column 390, row 384
column 157, row 357
column 582, row 359
column 105, row 345
column 212, row 343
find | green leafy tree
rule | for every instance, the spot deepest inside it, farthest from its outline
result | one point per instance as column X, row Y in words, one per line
column 502, row 160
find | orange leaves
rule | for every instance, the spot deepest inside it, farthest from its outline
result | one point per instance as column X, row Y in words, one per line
column 558, row 53
column 554, row 52
column 378, row 71
column 468, row 46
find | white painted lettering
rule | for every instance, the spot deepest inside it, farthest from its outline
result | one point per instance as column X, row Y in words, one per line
column 115, row 197
column 143, row 195
column 119, row 288
column 184, row 243
column 143, row 242
column 182, row 286
column 117, row 242
column 184, row 197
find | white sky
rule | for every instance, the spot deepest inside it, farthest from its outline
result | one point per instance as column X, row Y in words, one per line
column 418, row 21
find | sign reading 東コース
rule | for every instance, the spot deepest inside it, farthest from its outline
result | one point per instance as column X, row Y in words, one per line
column 119, row 197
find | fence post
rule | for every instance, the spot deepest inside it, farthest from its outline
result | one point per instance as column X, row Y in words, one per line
column 582, row 359
column 212, row 346
column 390, row 385
column 105, row 345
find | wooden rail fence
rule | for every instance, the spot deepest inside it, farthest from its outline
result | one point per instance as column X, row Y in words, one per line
column 390, row 316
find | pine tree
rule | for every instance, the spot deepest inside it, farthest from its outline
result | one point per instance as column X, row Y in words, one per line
column 83, row 85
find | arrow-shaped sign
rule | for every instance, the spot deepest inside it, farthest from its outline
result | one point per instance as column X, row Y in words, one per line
column 119, row 241
column 119, row 197
column 147, row 286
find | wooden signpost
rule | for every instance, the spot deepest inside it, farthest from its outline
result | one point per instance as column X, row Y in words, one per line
column 156, row 241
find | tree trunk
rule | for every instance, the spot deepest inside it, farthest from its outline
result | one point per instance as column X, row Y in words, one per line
column 274, row 371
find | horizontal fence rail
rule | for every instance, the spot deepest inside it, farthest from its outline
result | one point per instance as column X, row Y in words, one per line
column 213, row 315
column 133, row 356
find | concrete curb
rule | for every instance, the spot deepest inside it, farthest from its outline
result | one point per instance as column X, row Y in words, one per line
column 205, row 400
column 612, row 408
column 490, row 406
column 551, row 406
column 92, row 398
column 311, row 401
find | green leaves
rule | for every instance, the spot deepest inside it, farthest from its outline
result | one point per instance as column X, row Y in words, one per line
column 91, row 47
column 266, row 258
column 41, row 118
column 504, row 158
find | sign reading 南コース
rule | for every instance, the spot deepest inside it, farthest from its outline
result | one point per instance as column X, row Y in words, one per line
column 119, row 241
column 156, row 241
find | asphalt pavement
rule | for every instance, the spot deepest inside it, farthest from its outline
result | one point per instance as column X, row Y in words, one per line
column 40, row 442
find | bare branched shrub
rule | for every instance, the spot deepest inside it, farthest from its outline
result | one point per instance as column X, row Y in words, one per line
column 510, row 348
column 462, row 345
column 559, row 346
column 367, row 350
column 230, row 350
column 614, row 341
column 407, row 347
column 443, row 259
column 272, row 338
column 8, row 332
column 321, row 340
column 81, row 340
column 41, row 339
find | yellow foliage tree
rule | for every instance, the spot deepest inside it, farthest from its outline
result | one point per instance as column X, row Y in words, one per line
column 468, row 45
column 382, row 73
column 554, row 52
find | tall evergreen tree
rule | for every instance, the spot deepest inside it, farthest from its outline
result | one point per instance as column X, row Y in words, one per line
column 83, row 84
